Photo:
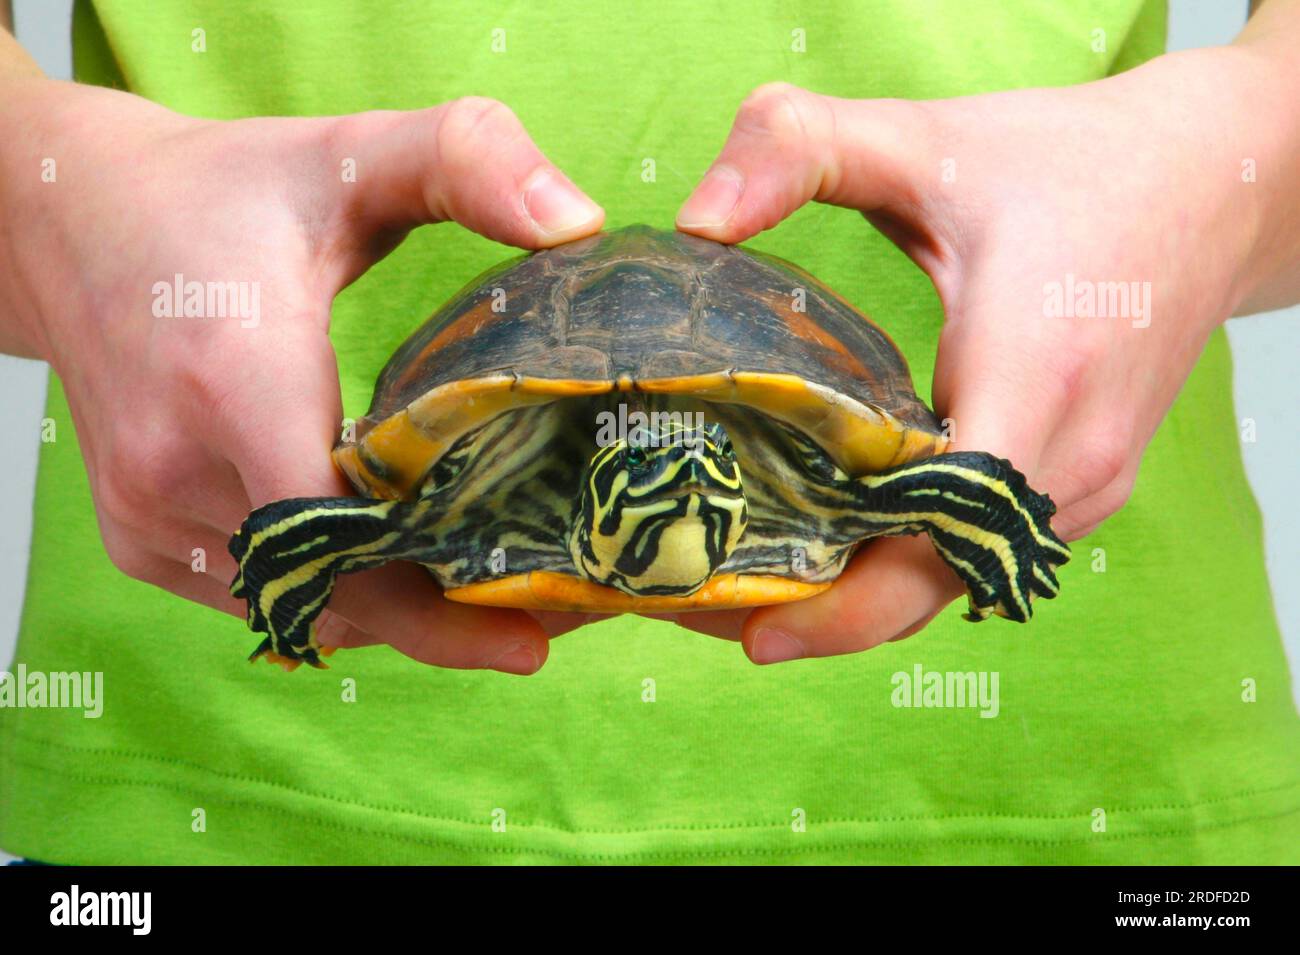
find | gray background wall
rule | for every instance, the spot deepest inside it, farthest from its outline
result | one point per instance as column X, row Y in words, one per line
column 1265, row 349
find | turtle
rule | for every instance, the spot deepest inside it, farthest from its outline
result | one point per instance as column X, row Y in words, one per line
column 643, row 421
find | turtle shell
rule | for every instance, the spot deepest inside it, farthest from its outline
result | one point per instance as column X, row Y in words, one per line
column 641, row 309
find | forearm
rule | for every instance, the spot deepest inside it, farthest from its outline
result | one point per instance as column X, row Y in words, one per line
column 59, row 142
column 14, row 60
column 1220, row 135
column 1271, row 39
column 19, row 75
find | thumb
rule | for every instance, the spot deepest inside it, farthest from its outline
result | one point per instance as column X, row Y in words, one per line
column 469, row 160
column 789, row 146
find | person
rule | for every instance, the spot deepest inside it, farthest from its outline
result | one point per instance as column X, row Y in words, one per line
column 1013, row 157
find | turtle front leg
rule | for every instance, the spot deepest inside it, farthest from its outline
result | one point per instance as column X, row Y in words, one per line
column 290, row 552
column 982, row 517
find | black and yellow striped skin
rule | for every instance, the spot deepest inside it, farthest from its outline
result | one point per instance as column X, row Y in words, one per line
column 752, row 496
column 290, row 553
column 985, row 521
column 983, row 518
column 660, row 511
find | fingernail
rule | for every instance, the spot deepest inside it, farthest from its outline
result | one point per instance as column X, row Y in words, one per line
column 555, row 204
column 520, row 659
column 714, row 199
column 776, row 646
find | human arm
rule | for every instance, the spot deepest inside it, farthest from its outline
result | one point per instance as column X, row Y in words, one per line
column 186, row 424
column 1183, row 173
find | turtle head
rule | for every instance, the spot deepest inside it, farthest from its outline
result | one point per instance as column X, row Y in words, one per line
column 660, row 510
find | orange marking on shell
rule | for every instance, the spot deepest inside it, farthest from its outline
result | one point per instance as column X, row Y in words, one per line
column 808, row 330
column 469, row 323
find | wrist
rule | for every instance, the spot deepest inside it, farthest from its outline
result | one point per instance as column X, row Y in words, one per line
column 62, row 147
column 26, row 167
column 1270, row 91
column 1231, row 112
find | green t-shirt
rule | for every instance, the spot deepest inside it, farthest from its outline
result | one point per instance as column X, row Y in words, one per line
column 1125, row 730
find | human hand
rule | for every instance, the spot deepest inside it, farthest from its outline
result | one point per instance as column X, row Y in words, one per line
column 1135, row 179
column 186, row 424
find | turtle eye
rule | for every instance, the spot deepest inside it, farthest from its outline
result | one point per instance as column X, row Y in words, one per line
column 635, row 457
column 726, row 450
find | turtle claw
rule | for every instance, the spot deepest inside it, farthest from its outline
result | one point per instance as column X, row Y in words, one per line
column 310, row 655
